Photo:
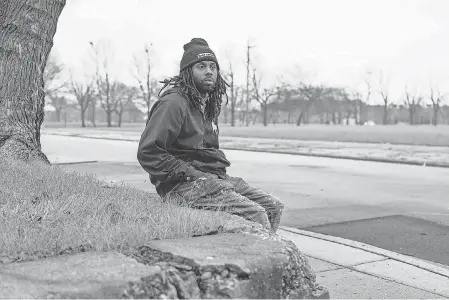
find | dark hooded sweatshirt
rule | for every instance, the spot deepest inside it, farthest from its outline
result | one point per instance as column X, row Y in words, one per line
column 178, row 144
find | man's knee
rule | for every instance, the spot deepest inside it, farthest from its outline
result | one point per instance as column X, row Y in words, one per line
column 261, row 216
column 249, row 210
column 275, row 205
column 260, row 211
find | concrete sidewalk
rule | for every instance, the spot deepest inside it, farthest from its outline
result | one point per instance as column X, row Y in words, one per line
column 352, row 270
column 349, row 269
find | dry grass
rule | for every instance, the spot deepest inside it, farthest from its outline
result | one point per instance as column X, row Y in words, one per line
column 393, row 134
column 46, row 209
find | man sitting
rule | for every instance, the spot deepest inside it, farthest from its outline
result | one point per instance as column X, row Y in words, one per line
column 179, row 147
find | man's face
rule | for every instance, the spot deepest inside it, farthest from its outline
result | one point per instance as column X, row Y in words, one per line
column 205, row 75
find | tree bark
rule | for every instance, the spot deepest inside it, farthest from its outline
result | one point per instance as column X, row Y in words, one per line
column 26, row 34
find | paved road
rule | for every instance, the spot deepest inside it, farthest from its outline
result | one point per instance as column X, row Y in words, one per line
column 320, row 194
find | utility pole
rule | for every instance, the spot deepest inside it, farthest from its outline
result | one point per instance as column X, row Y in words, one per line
column 248, row 61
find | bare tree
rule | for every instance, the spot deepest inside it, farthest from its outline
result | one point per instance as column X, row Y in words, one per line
column 91, row 111
column 60, row 103
column 262, row 97
column 286, row 92
column 359, row 108
column 53, row 85
column 121, row 95
column 241, row 106
column 436, row 97
column 248, row 98
column 310, row 93
column 384, row 92
column 26, row 38
column 364, row 102
column 52, row 73
column 143, row 77
column 83, row 93
column 104, row 84
column 348, row 106
column 412, row 102
column 234, row 93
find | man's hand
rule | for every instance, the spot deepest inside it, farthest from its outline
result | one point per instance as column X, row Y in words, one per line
column 199, row 175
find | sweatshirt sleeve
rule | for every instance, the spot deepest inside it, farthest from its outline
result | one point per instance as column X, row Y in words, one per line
column 161, row 131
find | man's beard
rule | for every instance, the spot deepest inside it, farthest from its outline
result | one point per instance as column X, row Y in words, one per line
column 206, row 88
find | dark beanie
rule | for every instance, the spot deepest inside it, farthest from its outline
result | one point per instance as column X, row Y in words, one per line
column 195, row 51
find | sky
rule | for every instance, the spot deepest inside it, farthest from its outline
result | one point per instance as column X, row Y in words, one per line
column 333, row 42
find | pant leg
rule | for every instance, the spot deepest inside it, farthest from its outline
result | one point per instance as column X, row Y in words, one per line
column 269, row 202
column 217, row 194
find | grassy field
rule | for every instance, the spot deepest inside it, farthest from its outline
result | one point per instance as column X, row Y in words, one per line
column 393, row 134
column 399, row 134
column 46, row 210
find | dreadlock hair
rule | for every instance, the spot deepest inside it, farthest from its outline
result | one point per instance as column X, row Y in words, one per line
column 186, row 87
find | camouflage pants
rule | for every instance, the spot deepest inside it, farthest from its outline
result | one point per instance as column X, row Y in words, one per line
column 232, row 195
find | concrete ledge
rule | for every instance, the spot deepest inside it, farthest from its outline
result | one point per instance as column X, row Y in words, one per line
column 83, row 275
column 247, row 263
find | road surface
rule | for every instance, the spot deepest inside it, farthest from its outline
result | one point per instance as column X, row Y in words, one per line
column 398, row 207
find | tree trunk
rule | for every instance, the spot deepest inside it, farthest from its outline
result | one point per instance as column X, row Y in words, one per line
column 120, row 115
column 302, row 114
column 92, row 111
column 385, row 116
column 58, row 114
column 26, row 34
column 410, row 118
column 232, row 115
column 435, row 116
column 265, row 114
column 83, row 113
column 306, row 117
column 298, row 121
column 361, row 115
column 109, row 118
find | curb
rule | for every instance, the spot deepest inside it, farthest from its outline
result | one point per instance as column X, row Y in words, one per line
column 75, row 162
column 372, row 159
column 419, row 263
